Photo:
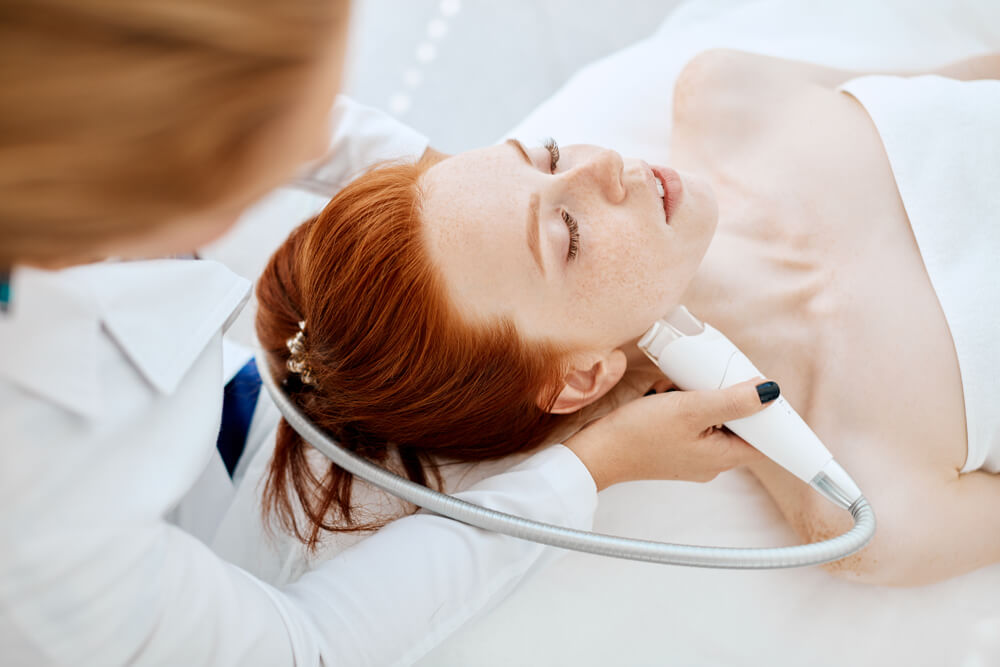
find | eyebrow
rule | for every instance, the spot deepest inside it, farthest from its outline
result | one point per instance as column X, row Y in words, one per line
column 532, row 226
column 520, row 149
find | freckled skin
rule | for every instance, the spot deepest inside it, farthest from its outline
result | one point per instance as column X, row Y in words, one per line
column 812, row 270
column 631, row 267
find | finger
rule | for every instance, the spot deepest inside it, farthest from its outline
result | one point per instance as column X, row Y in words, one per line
column 659, row 387
column 663, row 385
column 735, row 452
column 740, row 400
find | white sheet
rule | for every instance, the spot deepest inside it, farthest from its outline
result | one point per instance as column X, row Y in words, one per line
column 585, row 610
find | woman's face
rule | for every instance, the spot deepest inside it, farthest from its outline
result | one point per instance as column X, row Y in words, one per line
column 587, row 254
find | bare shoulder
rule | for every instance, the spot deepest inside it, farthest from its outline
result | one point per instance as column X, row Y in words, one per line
column 730, row 81
column 725, row 80
column 726, row 100
column 735, row 70
column 720, row 71
column 732, row 109
column 711, row 83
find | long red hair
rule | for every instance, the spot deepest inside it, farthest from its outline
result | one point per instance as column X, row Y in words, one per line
column 396, row 373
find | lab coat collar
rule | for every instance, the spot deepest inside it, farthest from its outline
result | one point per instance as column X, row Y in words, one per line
column 48, row 339
column 160, row 313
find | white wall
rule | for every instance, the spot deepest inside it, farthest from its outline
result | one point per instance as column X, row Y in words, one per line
column 464, row 72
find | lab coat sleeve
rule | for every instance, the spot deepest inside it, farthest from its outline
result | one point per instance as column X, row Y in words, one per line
column 391, row 598
column 150, row 594
column 387, row 600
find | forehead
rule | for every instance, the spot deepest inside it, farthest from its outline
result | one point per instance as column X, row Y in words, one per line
column 465, row 170
column 474, row 214
column 474, row 192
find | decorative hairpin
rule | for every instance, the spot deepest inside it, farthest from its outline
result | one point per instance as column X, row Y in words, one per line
column 296, row 348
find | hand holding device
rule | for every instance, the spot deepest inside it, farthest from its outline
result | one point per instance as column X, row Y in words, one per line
column 695, row 355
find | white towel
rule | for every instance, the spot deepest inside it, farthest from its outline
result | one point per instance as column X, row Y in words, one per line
column 943, row 141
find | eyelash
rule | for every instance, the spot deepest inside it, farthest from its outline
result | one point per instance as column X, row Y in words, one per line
column 574, row 235
column 553, row 148
column 574, row 229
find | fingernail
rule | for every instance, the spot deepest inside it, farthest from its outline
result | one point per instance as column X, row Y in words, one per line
column 768, row 391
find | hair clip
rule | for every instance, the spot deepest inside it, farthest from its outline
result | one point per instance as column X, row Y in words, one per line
column 296, row 348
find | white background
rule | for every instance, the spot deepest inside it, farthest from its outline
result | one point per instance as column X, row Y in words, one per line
column 464, row 72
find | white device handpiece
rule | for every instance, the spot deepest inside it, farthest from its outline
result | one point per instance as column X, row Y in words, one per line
column 695, row 355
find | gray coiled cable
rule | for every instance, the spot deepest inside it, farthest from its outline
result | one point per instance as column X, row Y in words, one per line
column 568, row 538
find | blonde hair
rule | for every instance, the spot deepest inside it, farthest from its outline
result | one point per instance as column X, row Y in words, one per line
column 117, row 116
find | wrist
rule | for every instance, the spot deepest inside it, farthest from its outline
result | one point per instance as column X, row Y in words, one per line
column 590, row 446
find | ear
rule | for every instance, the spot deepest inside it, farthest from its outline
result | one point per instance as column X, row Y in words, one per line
column 591, row 379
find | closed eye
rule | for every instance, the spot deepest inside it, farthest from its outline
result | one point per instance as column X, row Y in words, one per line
column 574, row 236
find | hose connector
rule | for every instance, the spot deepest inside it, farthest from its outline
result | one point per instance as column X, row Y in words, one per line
column 836, row 485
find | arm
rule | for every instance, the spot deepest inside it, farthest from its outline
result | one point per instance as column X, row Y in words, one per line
column 973, row 69
column 418, row 579
column 395, row 595
column 91, row 575
column 933, row 524
column 149, row 594
column 952, row 527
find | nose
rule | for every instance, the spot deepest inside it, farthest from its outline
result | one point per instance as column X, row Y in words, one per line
column 602, row 170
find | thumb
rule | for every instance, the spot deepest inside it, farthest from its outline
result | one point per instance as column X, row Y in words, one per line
column 740, row 400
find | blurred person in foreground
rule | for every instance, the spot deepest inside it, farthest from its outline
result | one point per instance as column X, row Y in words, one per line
column 141, row 130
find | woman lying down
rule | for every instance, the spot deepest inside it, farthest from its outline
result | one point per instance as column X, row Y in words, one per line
column 841, row 230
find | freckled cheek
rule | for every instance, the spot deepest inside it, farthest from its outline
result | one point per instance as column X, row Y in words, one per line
column 622, row 257
column 619, row 288
column 614, row 307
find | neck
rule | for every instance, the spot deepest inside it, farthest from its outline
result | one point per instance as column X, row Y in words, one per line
column 637, row 359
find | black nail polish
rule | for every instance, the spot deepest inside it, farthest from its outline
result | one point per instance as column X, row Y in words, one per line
column 768, row 391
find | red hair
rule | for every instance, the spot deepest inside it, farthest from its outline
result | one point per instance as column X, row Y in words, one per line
column 395, row 369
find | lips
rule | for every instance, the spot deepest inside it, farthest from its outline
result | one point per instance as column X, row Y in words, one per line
column 673, row 189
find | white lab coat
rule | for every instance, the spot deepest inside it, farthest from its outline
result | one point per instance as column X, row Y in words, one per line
column 111, row 380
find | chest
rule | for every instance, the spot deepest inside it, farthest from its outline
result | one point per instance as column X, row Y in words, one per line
column 815, row 273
